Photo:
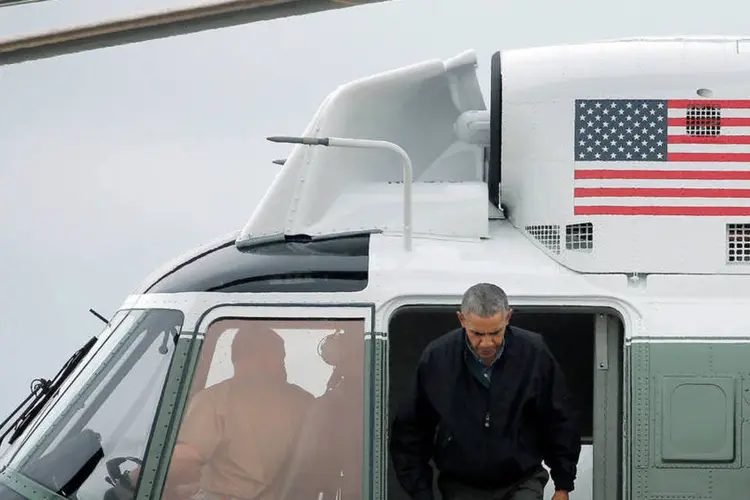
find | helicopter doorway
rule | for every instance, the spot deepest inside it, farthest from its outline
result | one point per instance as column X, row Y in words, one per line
column 587, row 344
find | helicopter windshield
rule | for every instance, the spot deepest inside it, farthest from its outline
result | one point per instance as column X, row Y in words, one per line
column 109, row 417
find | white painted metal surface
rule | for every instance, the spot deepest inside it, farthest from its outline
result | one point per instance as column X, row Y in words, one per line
column 438, row 271
column 540, row 184
column 436, row 112
column 417, row 108
column 408, row 174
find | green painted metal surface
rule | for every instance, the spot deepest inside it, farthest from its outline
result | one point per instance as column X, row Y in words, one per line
column 170, row 408
column 26, row 487
column 380, row 422
column 376, row 404
column 369, row 392
column 690, row 405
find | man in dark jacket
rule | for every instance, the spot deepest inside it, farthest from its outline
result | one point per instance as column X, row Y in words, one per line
column 499, row 403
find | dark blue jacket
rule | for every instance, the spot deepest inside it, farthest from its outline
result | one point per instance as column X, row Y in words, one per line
column 486, row 435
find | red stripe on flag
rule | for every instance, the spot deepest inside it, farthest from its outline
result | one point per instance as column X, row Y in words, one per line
column 714, row 175
column 717, row 139
column 662, row 192
column 724, row 122
column 691, row 211
column 722, row 103
column 702, row 157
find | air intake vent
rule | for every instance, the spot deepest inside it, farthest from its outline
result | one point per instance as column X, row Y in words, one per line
column 547, row 235
column 738, row 243
column 703, row 121
column 579, row 236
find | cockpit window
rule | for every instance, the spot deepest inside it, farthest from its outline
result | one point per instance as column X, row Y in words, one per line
column 105, row 428
column 275, row 411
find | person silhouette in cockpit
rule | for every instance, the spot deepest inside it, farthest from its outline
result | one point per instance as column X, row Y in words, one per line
column 327, row 456
column 237, row 434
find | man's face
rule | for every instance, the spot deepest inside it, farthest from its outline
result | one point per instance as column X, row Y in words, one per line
column 485, row 334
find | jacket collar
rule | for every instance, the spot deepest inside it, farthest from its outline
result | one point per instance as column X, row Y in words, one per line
column 464, row 339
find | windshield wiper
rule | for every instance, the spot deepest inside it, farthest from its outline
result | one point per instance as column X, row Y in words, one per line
column 42, row 391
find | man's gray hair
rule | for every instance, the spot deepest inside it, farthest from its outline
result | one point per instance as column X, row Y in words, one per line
column 484, row 300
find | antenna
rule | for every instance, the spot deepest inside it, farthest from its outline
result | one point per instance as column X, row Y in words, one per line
column 340, row 142
column 106, row 322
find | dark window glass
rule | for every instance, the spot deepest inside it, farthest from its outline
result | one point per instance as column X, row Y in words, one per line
column 329, row 265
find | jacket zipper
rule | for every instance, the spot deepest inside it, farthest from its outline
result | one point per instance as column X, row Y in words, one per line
column 488, row 432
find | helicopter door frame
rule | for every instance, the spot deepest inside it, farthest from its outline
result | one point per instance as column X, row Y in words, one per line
column 609, row 419
column 611, row 389
column 373, row 402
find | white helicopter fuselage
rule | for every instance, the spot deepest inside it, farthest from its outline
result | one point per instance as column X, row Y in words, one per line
column 624, row 240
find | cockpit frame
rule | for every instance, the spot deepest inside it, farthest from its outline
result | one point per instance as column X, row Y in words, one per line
column 62, row 458
column 201, row 315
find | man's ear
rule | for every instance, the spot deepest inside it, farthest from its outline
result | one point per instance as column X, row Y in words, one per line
column 508, row 315
column 460, row 317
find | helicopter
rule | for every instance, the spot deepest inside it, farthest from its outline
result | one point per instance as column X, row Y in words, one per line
column 603, row 186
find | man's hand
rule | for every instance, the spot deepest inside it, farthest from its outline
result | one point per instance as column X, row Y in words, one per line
column 560, row 495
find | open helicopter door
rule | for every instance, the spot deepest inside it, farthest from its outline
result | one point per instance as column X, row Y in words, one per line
column 586, row 341
column 296, row 387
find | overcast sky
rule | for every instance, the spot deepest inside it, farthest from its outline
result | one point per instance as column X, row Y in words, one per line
column 113, row 162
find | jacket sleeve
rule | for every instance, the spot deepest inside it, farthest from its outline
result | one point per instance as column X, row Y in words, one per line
column 560, row 426
column 412, row 436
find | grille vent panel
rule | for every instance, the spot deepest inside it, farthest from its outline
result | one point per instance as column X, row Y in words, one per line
column 738, row 243
column 547, row 235
column 579, row 236
column 703, row 121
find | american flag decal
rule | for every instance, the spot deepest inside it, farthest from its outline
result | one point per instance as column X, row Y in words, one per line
column 662, row 157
